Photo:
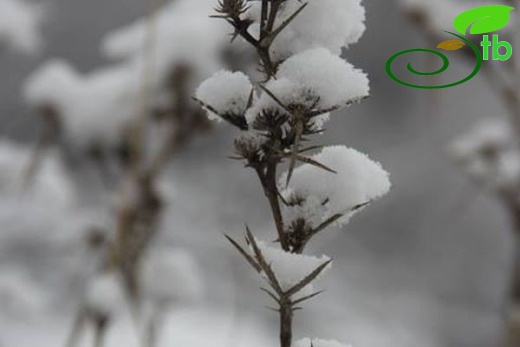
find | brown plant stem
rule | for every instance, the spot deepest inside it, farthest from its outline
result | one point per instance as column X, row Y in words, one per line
column 286, row 318
column 271, row 192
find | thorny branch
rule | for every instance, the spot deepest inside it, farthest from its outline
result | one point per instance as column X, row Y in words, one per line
column 284, row 130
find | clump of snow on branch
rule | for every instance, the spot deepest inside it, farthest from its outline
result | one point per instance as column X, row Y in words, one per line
column 20, row 22
column 105, row 295
column 225, row 93
column 331, row 24
column 303, row 80
column 94, row 107
column 182, row 36
column 55, row 78
column 324, row 76
column 308, row 342
column 127, row 42
column 291, row 268
column 487, row 153
column 358, row 181
column 171, row 276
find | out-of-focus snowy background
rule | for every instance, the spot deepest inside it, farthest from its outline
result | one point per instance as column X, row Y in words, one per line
column 427, row 265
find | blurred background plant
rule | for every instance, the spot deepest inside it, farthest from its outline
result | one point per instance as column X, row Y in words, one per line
column 124, row 122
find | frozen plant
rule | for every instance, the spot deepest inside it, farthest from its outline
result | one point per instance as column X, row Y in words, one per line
column 303, row 79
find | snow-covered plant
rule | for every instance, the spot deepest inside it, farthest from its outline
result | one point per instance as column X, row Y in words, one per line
column 130, row 118
column 490, row 152
column 303, row 79
column 134, row 114
column 20, row 22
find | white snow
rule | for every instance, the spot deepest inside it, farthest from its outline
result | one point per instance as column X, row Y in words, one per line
column 310, row 209
column 181, row 36
column 291, row 268
column 94, row 108
column 105, row 295
column 127, row 41
column 332, row 24
column 171, row 276
column 20, row 22
column 308, row 342
column 358, row 180
column 325, row 75
column 226, row 92
column 53, row 80
column 315, row 78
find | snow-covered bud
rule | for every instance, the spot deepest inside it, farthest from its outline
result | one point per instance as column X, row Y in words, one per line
column 291, row 268
column 358, row 181
column 225, row 96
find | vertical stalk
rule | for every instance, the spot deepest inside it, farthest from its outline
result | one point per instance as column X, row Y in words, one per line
column 271, row 192
column 286, row 316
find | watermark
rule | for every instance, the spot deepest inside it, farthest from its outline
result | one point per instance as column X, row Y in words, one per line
column 478, row 21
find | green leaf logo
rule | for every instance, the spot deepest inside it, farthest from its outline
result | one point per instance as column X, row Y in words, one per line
column 483, row 20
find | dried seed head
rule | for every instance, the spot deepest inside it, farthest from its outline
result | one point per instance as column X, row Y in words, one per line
column 249, row 146
column 232, row 8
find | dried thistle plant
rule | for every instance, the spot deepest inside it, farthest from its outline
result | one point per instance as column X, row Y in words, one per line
column 302, row 80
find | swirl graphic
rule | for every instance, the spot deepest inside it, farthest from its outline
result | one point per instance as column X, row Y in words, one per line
column 445, row 65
